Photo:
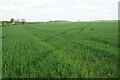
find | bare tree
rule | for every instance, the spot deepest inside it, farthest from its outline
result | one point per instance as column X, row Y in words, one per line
column 22, row 21
column 18, row 20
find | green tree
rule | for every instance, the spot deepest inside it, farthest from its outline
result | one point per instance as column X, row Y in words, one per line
column 11, row 20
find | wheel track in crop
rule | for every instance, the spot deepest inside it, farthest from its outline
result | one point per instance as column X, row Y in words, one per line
column 62, row 33
column 54, row 49
column 66, row 31
column 82, row 29
column 59, row 51
column 44, row 42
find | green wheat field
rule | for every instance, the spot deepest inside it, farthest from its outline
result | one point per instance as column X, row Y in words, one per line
column 60, row 50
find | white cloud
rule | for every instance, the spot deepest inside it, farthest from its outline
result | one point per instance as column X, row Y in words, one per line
column 85, row 7
column 44, row 10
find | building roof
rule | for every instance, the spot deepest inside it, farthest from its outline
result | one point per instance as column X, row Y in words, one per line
column 5, row 21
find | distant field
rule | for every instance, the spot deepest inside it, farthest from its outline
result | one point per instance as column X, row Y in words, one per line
column 60, row 50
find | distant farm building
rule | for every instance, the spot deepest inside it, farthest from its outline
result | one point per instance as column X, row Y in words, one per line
column 4, row 23
column 0, row 23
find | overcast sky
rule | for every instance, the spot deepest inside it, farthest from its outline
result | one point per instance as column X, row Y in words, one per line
column 45, row 10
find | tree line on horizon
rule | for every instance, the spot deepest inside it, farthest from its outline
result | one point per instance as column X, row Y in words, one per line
column 13, row 21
